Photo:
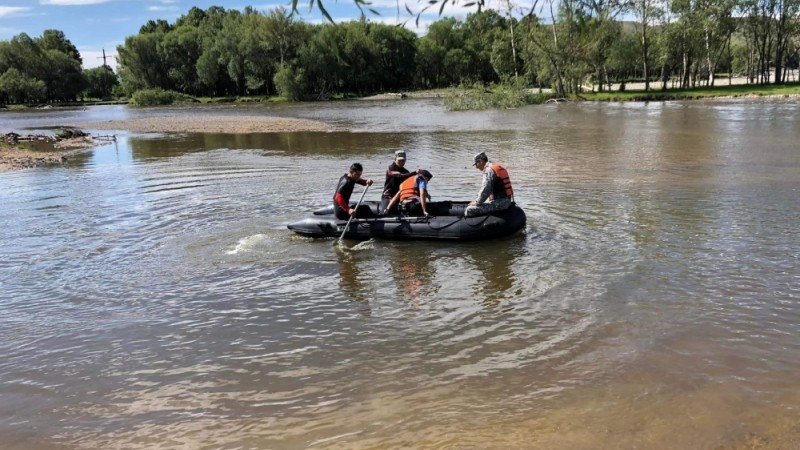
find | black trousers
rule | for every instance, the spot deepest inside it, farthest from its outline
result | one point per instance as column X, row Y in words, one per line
column 363, row 212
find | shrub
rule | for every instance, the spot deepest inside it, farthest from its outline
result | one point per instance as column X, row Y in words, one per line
column 503, row 95
column 154, row 97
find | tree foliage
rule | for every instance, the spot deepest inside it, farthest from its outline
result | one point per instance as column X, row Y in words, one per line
column 43, row 69
column 567, row 45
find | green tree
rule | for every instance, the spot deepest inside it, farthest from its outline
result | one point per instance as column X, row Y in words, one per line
column 64, row 81
column 16, row 87
column 396, row 52
column 179, row 50
column 100, row 82
column 56, row 40
column 141, row 63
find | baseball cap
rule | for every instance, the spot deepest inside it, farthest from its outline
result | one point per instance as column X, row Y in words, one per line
column 400, row 154
column 479, row 157
column 426, row 174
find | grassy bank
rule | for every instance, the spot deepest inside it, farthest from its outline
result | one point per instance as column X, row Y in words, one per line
column 465, row 97
column 746, row 90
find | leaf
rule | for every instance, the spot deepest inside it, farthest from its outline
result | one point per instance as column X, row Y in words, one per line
column 324, row 11
column 408, row 9
column 374, row 12
column 444, row 3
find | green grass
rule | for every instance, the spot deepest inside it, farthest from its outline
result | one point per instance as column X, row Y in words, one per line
column 695, row 93
column 495, row 96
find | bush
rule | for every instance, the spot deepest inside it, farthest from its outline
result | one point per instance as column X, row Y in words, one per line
column 504, row 95
column 290, row 83
column 154, row 97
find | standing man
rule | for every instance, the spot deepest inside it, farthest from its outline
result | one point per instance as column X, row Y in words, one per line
column 495, row 193
column 341, row 199
column 396, row 174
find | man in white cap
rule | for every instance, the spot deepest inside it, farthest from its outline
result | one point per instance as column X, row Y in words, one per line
column 395, row 174
column 495, row 193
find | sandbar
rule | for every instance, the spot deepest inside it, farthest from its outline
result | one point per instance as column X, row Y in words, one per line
column 208, row 124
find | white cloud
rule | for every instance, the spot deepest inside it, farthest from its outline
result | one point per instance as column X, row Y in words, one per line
column 108, row 19
column 450, row 10
column 270, row 6
column 162, row 8
column 72, row 2
column 11, row 10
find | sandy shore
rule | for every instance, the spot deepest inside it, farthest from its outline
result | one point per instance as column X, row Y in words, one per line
column 21, row 156
column 208, row 124
column 13, row 157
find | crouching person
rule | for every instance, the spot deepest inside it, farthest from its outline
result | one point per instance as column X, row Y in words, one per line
column 495, row 193
column 413, row 195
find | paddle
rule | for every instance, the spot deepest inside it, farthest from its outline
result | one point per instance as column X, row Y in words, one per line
column 354, row 214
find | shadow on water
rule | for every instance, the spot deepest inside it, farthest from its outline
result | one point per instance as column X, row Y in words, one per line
column 352, row 257
column 496, row 262
column 412, row 273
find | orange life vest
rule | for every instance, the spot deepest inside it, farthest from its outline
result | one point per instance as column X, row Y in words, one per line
column 408, row 188
column 502, row 187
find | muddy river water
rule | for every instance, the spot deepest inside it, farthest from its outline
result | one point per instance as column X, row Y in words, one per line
column 152, row 297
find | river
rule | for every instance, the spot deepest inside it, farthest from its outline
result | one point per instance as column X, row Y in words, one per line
column 152, row 296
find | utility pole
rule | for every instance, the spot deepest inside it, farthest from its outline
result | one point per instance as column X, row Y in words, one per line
column 103, row 80
column 103, row 57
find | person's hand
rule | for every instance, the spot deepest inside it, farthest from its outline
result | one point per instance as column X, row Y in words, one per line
column 426, row 214
column 369, row 181
column 472, row 203
column 351, row 211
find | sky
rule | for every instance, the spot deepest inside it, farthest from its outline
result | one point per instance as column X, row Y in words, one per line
column 95, row 25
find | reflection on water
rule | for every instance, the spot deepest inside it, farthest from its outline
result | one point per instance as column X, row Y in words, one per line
column 351, row 279
column 152, row 296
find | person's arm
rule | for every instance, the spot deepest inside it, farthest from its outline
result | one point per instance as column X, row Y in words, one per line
column 486, row 187
column 339, row 199
column 403, row 176
column 400, row 175
column 393, row 202
column 423, row 193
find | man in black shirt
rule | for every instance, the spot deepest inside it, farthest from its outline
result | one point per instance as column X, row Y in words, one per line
column 344, row 189
column 395, row 175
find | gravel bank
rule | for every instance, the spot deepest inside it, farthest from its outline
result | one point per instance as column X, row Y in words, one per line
column 208, row 124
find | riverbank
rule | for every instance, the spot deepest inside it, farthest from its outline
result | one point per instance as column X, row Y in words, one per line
column 25, row 156
column 209, row 124
column 700, row 93
column 14, row 156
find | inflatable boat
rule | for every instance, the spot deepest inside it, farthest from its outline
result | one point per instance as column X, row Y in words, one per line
column 446, row 222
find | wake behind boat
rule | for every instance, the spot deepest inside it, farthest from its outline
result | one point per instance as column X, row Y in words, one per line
column 446, row 222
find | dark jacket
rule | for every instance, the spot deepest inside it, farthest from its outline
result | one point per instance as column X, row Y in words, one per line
column 394, row 176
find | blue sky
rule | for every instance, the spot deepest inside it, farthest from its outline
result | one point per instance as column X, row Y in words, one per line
column 94, row 25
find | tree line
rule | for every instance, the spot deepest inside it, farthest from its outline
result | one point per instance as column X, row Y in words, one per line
column 569, row 46
column 48, row 69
